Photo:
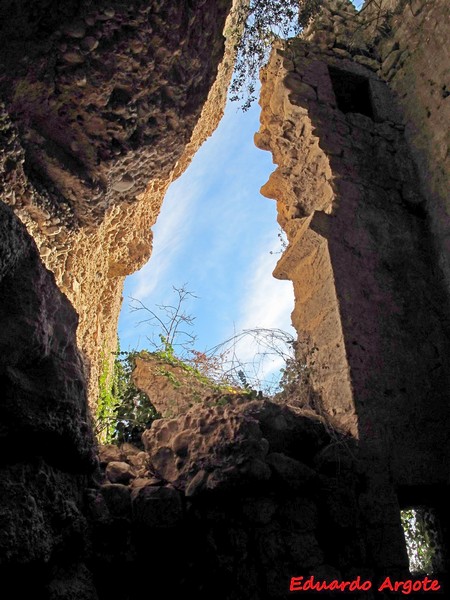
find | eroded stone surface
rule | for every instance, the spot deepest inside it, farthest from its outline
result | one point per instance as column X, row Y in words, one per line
column 228, row 443
column 119, row 472
column 173, row 388
column 420, row 79
column 247, row 494
column 42, row 376
column 46, row 441
column 96, row 102
column 371, row 314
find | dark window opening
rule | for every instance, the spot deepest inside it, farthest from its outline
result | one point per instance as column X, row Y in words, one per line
column 352, row 92
column 423, row 540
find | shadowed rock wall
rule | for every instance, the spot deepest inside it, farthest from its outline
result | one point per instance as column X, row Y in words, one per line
column 226, row 501
column 369, row 293
column 96, row 101
column 231, row 502
column 46, row 443
column 414, row 58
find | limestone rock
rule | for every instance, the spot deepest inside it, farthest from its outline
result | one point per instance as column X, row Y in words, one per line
column 222, row 446
column 129, row 449
column 197, row 483
column 38, row 345
column 211, row 435
column 119, row 472
column 96, row 508
column 108, row 453
column 343, row 171
column 172, row 388
column 157, row 507
column 76, row 29
column 139, row 462
column 290, row 471
column 139, row 482
column 109, row 107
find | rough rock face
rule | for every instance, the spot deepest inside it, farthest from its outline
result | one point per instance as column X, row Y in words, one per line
column 96, row 101
column 254, row 494
column 228, row 502
column 224, row 444
column 359, row 252
column 42, row 378
column 102, row 111
column 172, row 387
column 45, row 434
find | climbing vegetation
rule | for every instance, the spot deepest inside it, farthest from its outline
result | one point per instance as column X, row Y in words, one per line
column 124, row 411
column 257, row 25
column 107, row 401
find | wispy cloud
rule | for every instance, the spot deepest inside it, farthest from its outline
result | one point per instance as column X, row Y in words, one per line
column 185, row 207
column 266, row 304
column 171, row 232
column 267, row 301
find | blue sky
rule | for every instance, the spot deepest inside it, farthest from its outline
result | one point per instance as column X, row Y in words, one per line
column 215, row 234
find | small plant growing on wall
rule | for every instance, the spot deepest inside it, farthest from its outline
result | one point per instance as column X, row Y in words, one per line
column 123, row 411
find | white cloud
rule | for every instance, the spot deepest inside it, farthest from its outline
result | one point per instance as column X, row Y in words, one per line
column 208, row 172
column 171, row 233
column 266, row 303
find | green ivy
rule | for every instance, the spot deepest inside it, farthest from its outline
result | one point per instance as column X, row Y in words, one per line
column 421, row 552
column 107, row 403
column 124, row 412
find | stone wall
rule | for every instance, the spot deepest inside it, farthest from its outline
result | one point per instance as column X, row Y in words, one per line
column 226, row 501
column 46, row 443
column 230, row 502
column 368, row 288
column 106, row 105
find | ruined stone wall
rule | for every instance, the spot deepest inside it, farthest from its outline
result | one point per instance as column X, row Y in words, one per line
column 228, row 501
column 106, row 105
column 368, row 289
